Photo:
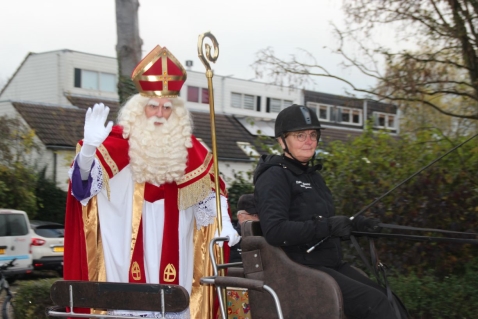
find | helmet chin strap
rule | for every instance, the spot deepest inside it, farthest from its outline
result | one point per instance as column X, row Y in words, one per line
column 286, row 150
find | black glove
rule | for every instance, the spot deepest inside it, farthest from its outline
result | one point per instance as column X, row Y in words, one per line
column 340, row 226
column 368, row 225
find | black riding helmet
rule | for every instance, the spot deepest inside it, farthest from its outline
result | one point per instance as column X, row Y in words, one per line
column 295, row 118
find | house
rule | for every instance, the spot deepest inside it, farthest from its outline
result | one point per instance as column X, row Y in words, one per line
column 51, row 91
column 345, row 117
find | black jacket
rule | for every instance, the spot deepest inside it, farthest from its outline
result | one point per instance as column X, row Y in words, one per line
column 294, row 204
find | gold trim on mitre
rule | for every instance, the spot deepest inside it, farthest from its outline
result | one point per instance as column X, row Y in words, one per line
column 159, row 74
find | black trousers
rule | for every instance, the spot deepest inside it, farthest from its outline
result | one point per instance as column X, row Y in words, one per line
column 363, row 298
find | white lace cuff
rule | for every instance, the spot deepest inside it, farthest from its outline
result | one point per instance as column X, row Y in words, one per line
column 205, row 210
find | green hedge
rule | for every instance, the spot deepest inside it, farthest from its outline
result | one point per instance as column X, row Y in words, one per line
column 427, row 297
column 32, row 298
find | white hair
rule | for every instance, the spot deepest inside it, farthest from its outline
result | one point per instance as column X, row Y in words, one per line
column 157, row 154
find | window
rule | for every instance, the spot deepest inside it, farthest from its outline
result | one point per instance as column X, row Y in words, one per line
column 13, row 225
column 243, row 101
column 236, row 100
column 198, row 95
column 349, row 116
column 248, row 102
column 193, row 94
column 107, row 82
column 384, row 120
column 93, row 80
column 205, row 96
column 277, row 105
column 322, row 111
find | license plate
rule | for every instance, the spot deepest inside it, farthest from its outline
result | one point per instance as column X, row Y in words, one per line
column 2, row 251
column 59, row 249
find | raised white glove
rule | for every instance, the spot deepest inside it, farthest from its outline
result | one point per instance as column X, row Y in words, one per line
column 95, row 133
column 228, row 230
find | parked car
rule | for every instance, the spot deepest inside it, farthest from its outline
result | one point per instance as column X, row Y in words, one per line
column 15, row 239
column 47, row 245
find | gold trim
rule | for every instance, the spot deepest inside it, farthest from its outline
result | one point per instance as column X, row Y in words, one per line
column 202, row 296
column 138, row 200
column 151, row 58
column 198, row 171
column 194, row 193
column 108, row 160
column 94, row 247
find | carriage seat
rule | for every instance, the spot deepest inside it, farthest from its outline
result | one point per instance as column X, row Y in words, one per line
column 303, row 292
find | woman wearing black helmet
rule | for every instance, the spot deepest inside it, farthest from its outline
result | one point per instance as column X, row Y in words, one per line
column 296, row 211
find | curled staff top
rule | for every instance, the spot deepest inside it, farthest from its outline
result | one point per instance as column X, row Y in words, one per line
column 208, row 57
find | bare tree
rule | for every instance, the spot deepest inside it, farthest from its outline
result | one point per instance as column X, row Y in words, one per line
column 441, row 71
column 128, row 48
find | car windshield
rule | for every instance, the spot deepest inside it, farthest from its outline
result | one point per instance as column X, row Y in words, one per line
column 50, row 232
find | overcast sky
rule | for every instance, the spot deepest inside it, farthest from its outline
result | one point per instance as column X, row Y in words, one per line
column 241, row 28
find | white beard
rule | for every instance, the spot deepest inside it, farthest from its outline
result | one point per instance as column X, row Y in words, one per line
column 158, row 154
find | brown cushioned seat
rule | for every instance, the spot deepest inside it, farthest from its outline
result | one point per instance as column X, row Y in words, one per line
column 303, row 292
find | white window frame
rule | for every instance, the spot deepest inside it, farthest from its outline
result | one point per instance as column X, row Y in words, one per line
column 318, row 107
column 386, row 117
column 242, row 103
column 351, row 112
column 282, row 104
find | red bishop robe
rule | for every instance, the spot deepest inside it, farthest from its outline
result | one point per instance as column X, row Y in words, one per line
column 84, row 257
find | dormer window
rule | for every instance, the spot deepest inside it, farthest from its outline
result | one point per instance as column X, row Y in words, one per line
column 323, row 111
column 384, row 120
column 346, row 115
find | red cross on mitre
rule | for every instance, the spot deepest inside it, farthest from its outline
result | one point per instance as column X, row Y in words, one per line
column 159, row 74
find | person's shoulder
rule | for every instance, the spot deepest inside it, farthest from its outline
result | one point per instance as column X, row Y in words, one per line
column 272, row 176
column 266, row 163
column 113, row 153
column 197, row 149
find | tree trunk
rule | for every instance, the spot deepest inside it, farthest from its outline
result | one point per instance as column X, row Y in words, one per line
column 128, row 48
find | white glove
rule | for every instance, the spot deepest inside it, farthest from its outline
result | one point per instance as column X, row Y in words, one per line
column 95, row 133
column 228, row 230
